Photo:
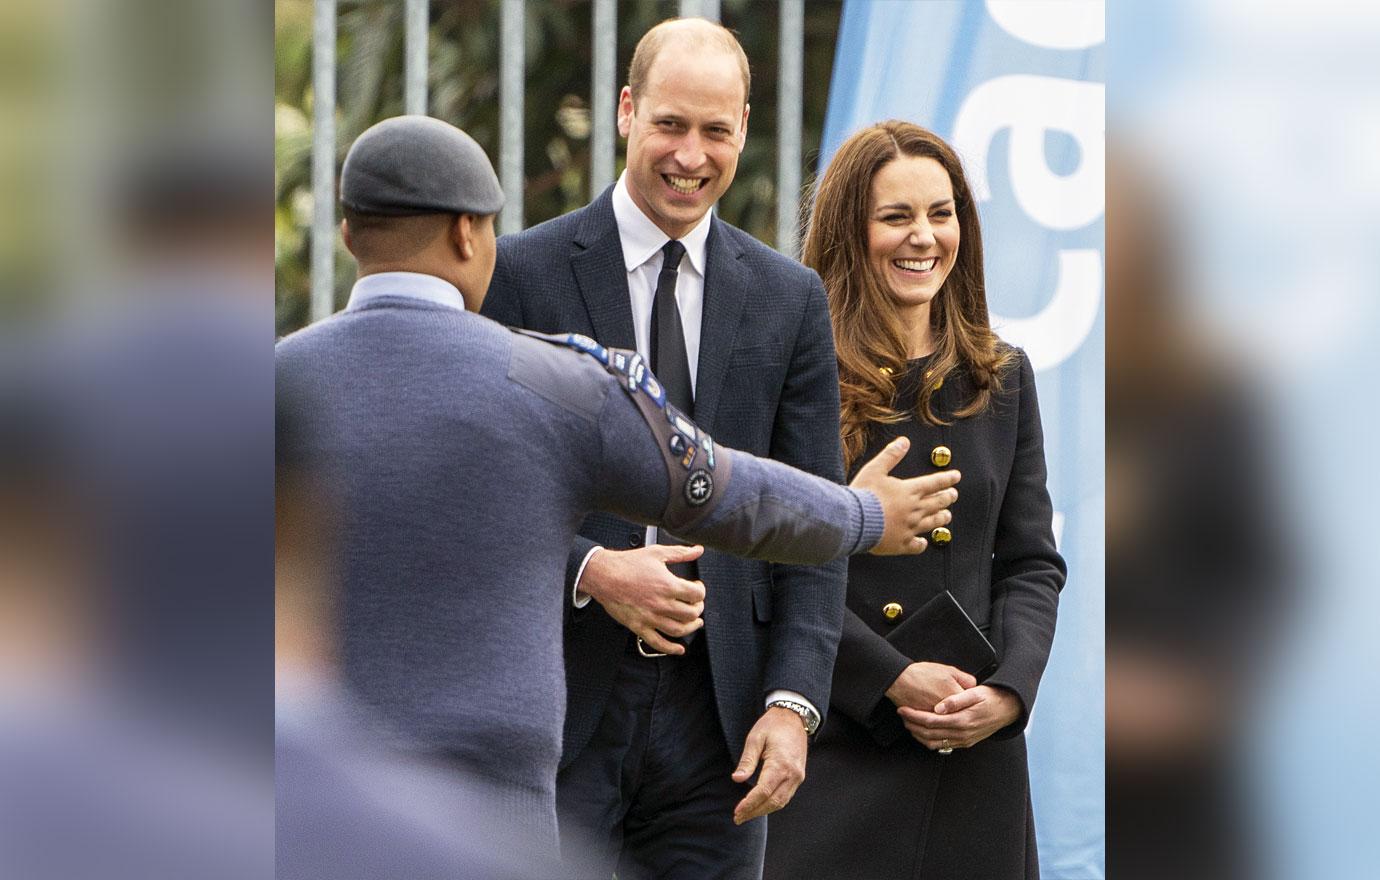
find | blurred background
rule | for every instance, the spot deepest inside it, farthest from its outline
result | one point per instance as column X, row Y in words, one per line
column 462, row 79
column 1244, row 196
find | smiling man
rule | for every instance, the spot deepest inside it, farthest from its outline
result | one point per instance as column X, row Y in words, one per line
column 673, row 751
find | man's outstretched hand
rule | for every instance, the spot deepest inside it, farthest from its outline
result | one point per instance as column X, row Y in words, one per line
column 913, row 507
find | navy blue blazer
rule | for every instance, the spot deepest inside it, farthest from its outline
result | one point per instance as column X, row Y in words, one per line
column 767, row 383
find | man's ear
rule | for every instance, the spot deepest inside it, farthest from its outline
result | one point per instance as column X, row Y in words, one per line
column 742, row 131
column 345, row 234
column 625, row 111
column 462, row 235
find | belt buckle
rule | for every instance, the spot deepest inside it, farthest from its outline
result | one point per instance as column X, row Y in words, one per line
column 641, row 649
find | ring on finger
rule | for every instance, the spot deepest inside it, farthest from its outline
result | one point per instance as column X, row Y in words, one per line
column 945, row 748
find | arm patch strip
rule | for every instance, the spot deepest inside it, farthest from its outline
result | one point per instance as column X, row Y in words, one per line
column 697, row 471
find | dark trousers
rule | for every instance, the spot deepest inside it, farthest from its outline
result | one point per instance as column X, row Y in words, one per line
column 651, row 796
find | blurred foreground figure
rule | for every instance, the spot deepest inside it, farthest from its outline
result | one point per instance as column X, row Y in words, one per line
column 464, row 456
column 350, row 804
column 133, row 737
column 98, row 776
column 1193, row 566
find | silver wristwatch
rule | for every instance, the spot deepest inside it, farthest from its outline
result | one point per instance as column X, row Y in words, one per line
column 808, row 718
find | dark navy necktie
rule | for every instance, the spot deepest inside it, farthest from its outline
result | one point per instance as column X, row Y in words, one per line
column 669, row 360
column 672, row 367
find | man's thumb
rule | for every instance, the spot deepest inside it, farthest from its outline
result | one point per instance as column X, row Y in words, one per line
column 883, row 462
column 683, row 552
column 751, row 751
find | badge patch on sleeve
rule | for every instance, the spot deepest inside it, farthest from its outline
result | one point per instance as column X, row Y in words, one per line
column 699, row 488
column 707, row 444
column 693, row 467
column 654, row 389
column 580, row 342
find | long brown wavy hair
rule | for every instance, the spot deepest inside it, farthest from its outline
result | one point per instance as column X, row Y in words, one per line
column 868, row 331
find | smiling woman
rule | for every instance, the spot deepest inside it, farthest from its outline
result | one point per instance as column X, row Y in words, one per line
column 912, row 239
column 916, row 751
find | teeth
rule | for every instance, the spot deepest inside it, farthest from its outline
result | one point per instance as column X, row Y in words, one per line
column 684, row 185
column 917, row 265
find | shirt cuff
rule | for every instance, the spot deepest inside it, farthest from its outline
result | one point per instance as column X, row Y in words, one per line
column 783, row 694
column 580, row 599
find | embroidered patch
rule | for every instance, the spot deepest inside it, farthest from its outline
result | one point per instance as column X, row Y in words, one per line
column 699, row 488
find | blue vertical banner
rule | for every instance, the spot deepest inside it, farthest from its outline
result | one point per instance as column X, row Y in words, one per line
column 1018, row 88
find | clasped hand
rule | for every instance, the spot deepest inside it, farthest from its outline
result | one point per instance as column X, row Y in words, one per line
column 637, row 589
column 942, row 706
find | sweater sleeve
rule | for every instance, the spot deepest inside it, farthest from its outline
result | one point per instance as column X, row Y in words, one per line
column 760, row 508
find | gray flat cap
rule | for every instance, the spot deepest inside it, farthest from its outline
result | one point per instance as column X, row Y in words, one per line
column 418, row 165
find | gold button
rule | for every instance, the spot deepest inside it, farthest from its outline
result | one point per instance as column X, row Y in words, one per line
column 941, row 535
column 891, row 610
column 940, row 456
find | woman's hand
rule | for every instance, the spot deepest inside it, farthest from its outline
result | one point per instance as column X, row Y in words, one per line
column 964, row 720
column 922, row 685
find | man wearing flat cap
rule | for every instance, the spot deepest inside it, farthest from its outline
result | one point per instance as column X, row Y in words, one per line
column 463, row 456
column 419, row 198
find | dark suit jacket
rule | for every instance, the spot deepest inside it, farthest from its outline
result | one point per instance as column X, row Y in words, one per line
column 767, row 383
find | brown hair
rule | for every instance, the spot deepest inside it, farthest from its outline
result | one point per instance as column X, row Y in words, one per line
column 868, row 331
column 712, row 35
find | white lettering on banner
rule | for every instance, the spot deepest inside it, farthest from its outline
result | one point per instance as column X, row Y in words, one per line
column 1061, row 24
column 1051, row 336
column 1031, row 106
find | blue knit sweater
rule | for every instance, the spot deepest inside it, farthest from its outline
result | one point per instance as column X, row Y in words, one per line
column 462, row 458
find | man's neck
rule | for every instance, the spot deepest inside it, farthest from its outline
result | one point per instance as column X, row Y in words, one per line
column 417, row 267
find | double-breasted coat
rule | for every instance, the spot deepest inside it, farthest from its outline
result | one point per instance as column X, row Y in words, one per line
column 875, row 802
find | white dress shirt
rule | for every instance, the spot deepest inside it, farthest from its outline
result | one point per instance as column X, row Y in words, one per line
column 409, row 284
column 642, row 241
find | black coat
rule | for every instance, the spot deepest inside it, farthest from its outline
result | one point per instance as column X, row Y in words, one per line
column 875, row 802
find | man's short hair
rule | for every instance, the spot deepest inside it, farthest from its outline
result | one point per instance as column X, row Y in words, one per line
column 392, row 237
column 714, row 36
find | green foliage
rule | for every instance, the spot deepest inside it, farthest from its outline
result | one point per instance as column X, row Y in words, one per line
column 463, row 88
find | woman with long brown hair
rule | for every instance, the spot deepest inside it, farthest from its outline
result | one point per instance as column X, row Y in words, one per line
column 920, row 771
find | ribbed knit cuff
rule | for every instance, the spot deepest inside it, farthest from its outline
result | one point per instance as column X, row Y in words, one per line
column 868, row 522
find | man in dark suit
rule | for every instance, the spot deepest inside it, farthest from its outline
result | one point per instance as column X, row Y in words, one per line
column 662, row 739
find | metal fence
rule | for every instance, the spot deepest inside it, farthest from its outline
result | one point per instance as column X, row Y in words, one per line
column 603, row 89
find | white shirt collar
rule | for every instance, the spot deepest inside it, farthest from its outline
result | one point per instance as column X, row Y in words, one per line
column 642, row 239
column 412, row 285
